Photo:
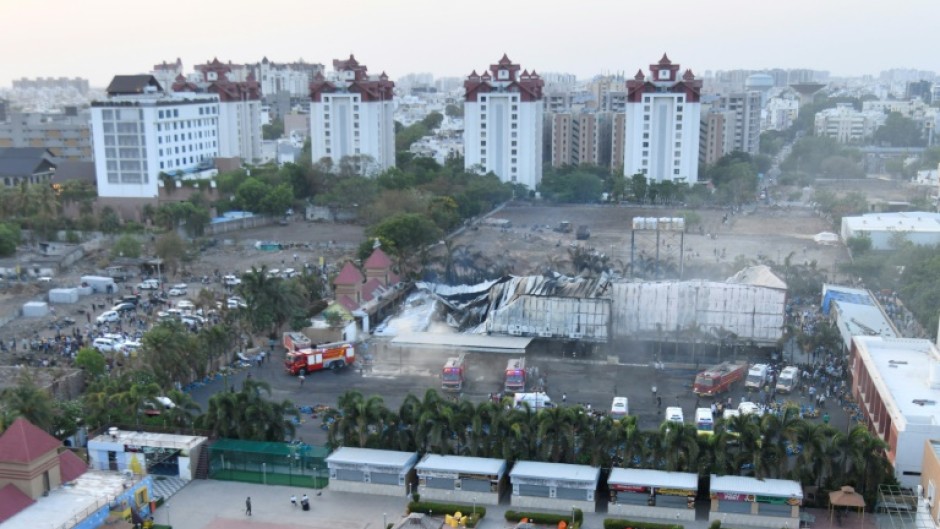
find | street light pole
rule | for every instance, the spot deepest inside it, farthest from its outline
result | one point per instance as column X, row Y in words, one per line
column 384, row 521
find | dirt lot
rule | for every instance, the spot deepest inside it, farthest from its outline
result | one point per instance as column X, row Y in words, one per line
column 712, row 247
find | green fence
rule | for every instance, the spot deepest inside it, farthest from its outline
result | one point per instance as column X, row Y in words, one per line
column 269, row 463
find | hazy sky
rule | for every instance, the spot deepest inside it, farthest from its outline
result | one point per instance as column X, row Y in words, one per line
column 99, row 38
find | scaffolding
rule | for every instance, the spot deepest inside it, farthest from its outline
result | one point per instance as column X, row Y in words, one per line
column 269, row 463
column 901, row 508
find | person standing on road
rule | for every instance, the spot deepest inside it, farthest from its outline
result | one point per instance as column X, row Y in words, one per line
column 248, row 506
column 301, row 378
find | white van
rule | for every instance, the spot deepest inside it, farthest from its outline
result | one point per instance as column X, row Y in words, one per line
column 704, row 421
column 536, row 401
column 619, row 408
column 788, row 380
column 756, row 376
column 674, row 414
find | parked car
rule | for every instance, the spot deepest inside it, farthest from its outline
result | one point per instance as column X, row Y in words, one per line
column 192, row 320
column 235, row 303
column 130, row 347
column 185, row 305
column 148, row 284
column 124, row 306
column 181, row 286
column 231, row 281
column 108, row 316
column 177, row 291
column 107, row 345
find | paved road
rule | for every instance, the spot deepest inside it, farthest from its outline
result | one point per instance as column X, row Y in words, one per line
column 594, row 379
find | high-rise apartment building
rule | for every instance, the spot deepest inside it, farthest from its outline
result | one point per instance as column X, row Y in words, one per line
column 141, row 131
column 618, row 128
column 575, row 139
column 351, row 115
column 503, row 123
column 239, row 107
column 67, row 137
column 716, row 136
column 847, row 125
column 746, row 107
column 661, row 138
column 291, row 77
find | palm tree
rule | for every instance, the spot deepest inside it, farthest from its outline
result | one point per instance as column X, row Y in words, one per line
column 813, row 462
column 556, row 434
column 360, row 417
column 184, row 412
column 29, row 401
column 135, row 398
column 680, row 447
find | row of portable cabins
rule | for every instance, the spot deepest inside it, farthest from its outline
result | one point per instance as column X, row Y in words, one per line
column 561, row 487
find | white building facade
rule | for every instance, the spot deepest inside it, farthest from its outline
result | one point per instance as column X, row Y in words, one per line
column 352, row 115
column 503, row 123
column 662, row 124
column 141, row 131
column 847, row 125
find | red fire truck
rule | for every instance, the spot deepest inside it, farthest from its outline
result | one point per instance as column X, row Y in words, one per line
column 295, row 341
column 452, row 376
column 515, row 376
column 718, row 379
column 333, row 356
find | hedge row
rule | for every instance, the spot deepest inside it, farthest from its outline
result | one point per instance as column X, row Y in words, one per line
column 545, row 518
column 472, row 513
column 618, row 523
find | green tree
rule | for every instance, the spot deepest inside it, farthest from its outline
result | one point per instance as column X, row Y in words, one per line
column 108, row 220
column 89, row 359
column 899, row 131
column 273, row 130
column 571, row 186
column 29, row 401
column 453, row 111
column 9, row 239
column 171, row 248
column 433, row 120
column 277, row 200
column 67, row 417
column 859, row 245
column 248, row 415
column 407, row 232
column 639, row 187
column 359, row 417
column 250, row 194
column 126, row 246
column 170, row 351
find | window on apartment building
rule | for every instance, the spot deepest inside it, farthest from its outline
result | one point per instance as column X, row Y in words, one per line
column 646, row 117
column 355, row 116
column 678, row 153
column 678, row 126
column 328, row 150
column 482, row 108
column 646, row 108
column 483, row 161
column 355, row 125
column 160, row 139
column 161, row 165
column 646, row 162
column 483, row 143
column 160, row 151
column 675, row 171
column 357, row 150
column 515, row 107
column 676, row 162
column 515, row 116
column 514, row 134
column 483, row 99
column 356, row 133
column 327, row 134
column 176, row 113
column 678, row 144
column 514, row 152
column 646, row 99
column 483, row 125
column 355, row 108
column 679, row 108
column 646, row 126
column 514, row 126
column 646, row 144
column 646, row 135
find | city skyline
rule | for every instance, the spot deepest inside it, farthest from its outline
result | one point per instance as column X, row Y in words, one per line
column 101, row 38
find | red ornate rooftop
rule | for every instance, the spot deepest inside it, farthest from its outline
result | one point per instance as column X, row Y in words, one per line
column 664, row 76
column 504, row 76
column 378, row 259
column 369, row 89
column 349, row 275
column 24, row 442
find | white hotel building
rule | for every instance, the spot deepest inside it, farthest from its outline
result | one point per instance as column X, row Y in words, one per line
column 503, row 123
column 662, row 124
column 352, row 115
column 141, row 131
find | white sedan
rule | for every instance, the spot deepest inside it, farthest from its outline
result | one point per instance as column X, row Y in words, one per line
column 108, row 316
column 177, row 291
